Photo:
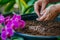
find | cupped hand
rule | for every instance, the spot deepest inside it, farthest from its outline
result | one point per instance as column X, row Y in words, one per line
column 49, row 13
column 39, row 6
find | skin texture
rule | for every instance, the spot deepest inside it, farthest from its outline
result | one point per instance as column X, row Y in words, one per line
column 39, row 6
column 46, row 13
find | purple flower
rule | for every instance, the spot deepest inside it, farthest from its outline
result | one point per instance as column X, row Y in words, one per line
column 16, row 22
column 9, row 32
column 7, row 19
column 10, row 25
column 6, row 32
column 16, row 17
column 3, row 34
column 1, row 18
column 21, row 24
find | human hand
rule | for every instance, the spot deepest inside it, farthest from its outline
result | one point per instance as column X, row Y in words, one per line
column 49, row 13
column 39, row 6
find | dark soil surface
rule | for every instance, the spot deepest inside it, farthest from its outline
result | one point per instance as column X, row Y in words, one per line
column 47, row 28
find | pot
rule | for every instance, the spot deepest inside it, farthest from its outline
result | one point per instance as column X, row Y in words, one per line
column 33, row 16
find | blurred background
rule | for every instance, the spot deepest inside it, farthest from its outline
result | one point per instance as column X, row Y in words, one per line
column 19, row 6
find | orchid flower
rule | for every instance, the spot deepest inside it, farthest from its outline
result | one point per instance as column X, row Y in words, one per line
column 7, row 19
column 16, row 17
column 22, row 23
column 6, row 33
column 3, row 34
column 1, row 18
column 16, row 22
column 10, row 25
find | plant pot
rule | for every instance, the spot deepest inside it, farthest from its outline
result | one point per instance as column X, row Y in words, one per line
column 33, row 16
column 31, row 37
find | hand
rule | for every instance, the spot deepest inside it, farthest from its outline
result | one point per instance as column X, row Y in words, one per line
column 39, row 6
column 49, row 13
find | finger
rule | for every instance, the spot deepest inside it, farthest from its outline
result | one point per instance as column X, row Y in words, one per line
column 54, row 16
column 36, row 7
column 44, row 4
column 42, row 17
column 43, row 12
column 49, row 12
column 47, row 18
column 51, row 16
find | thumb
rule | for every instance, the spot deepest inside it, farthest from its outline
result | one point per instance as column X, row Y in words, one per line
column 42, row 17
column 43, row 12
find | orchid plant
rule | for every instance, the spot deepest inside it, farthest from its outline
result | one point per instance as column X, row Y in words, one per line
column 10, row 24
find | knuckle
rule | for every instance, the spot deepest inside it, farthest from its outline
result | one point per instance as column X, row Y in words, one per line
column 51, row 8
column 57, row 5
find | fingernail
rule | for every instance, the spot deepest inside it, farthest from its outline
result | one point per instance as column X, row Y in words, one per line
column 37, row 19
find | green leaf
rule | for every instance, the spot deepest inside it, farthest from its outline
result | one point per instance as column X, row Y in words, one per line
column 58, row 38
column 27, row 9
column 31, row 2
column 19, row 5
column 9, row 6
column 27, row 1
column 22, row 5
column 3, row 2
column 17, row 38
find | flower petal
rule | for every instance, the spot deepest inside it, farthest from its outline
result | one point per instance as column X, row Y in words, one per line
column 10, row 32
column 1, row 18
column 16, row 17
column 22, row 23
column 3, row 34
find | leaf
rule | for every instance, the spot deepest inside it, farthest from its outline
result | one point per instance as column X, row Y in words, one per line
column 22, row 5
column 3, row 2
column 19, row 5
column 9, row 6
column 17, row 38
column 31, row 2
column 27, row 9
column 58, row 38
column 26, row 1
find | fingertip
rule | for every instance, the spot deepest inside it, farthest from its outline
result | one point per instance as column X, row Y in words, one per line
column 39, row 19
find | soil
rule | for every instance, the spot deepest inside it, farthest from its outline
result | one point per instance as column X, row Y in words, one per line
column 47, row 28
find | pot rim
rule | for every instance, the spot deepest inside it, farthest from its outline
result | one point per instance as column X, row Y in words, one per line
column 28, row 35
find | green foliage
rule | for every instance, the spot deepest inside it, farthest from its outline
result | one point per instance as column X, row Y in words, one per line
column 9, row 6
column 3, row 2
column 17, row 38
column 58, row 38
column 25, row 6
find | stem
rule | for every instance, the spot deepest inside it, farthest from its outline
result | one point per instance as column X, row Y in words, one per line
column 19, row 5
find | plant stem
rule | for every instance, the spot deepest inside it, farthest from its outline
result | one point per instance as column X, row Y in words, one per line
column 19, row 5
